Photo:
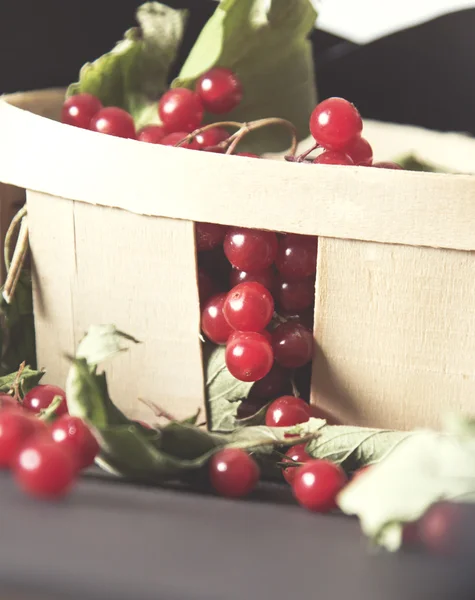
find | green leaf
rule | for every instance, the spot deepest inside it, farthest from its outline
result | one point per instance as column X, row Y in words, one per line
column 193, row 419
column 263, row 440
column 186, row 441
column 265, row 43
column 224, row 393
column 427, row 467
column 88, row 397
column 352, row 447
column 134, row 74
column 101, row 343
column 410, row 162
column 29, row 378
column 18, row 329
column 128, row 451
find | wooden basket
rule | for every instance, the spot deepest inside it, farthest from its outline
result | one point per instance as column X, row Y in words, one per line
column 112, row 240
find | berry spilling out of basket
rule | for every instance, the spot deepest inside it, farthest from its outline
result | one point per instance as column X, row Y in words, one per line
column 43, row 446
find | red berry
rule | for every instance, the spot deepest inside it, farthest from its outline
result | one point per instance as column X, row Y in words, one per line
column 206, row 286
column 213, row 323
column 295, row 296
column 317, row 483
column 172, row 139
column 304, row 317
column 265, row 278
column 248, row 154
column 44, row 470
column 41, row 396
column 250, row 250
column 272, row 384
column 9, row 403
column 78, row 110
column 72, row 434
column 15, row 429
column 248, row 356
column 209, row 235
column 114, row 121
column 295, row 454
column 249, row 307
column 360, row 151
column 387, row 165
column 211, row 137
column 152, row 134
column 332, row 157
column 287, row 411
column 292, row 344
column 180, row 110
column 334, row 123
column 220, row 90
column 233, row 473
column 297, row 257
column 439, row 529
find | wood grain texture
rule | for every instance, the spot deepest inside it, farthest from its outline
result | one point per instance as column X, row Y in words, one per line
column 395, row 327
column 423, row 209
column 95, row 265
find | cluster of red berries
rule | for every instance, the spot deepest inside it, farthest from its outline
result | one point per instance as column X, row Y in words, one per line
column 45, row 459
column 257, row 295
column 315, row 482
column 181, row 111
column 336, row 126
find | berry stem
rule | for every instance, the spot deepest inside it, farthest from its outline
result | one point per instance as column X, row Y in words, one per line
column 304, row 155
column 157, row 411
column 15, row 265
column 242, row 130
column 16, row 384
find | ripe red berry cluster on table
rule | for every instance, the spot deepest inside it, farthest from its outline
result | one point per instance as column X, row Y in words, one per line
column 45, row 459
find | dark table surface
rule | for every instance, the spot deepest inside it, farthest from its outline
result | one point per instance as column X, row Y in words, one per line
column 138, row 543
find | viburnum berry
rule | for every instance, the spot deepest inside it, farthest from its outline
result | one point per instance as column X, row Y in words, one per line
column 265, row 278
column 304, row 317
column 360, row 151
column 172, row 139
column 440, row 529
column 292, row 344
column 213, row 322
column 44, row 470
column 180, row 109
column 9, row 403
column 296, row 256
column 387, row 165
column 211, row 137
column 334, row 123
column 294, row 296
column 272, row 384
column 15, row 429
column 220, row 90
column 249, row 307
column 248, row 356
column 79, row 110
column 250, row 250
column 152, row 134
column 287, row 411
column 215, row 262
column 233, row 473
column 209, row 235
column 206, row 286
column 114, row 121
column 72, row 434
column 293, row 456
column 332, row 157
column 317, row 483
column 41, row 396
